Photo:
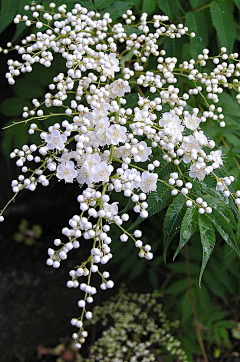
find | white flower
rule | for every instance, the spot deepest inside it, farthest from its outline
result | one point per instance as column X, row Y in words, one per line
column 55, row 140
column 148, row 182
column 116, row 134
column 111, row 65
column 84, row 175
column 120, row 152
column 101, row 123
column 191, row 144
column 141, row 152
column 197, row 170
column 167, row 117
column 66, row 156
column 66, row 171
column 191, row 121
column 174, row 129
column 111, row 208
column 217, row 158
column 200, row 137
column 101, row 110
column 118, row 88
column 101, row 172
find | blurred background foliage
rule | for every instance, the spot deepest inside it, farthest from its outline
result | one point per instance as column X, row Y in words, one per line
column 216, row 23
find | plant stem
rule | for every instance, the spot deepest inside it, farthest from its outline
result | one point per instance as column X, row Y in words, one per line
column 198, row 332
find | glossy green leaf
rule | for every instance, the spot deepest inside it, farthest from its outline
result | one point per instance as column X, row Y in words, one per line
column 8, row 11
column 188, row 227
column 173, row 47
column 223, row 22
column 101, row 4
column 196, row 22
column 172, row 221
column 27, row 89
column 198, row 3
column 132, row 100
column 208, row 238
column 224, row 230
column 118, row 8
column 148, row 6
column 169, row 7
column 13, row 106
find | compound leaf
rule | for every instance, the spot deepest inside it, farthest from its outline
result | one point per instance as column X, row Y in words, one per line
column 223, row 22
column 188, row 227
column 172, row 221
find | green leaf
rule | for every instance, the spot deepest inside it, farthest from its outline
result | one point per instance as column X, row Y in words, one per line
column 118, row 8
column 157, row 201
column 224, row 229
column 172, row 221
column 148, row 6
column 198, row 3
column 232, row 138
column 223, row 22
column 207, row 239
column 8, row 11
column 27, row 89
column 135, row 272
column 13, row 106
column 237, row 3
column 177, row 288
column 132, row 100
column 101, row 4
column 173, row 47
column 169, row 7
column 188, row 227
column 196, row 22
column 229, row 105
column 14, row 137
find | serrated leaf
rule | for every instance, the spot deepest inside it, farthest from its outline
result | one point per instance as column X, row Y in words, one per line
column 196, row 22
column 169, row 7
column 224, row 230
column 223, row 22
column 118, row 8
column 8, row 11
column 188, row 227
column 157, row 201
column 148, row 6
column 101, row 4
column 132, row 100
column 172, row 221
column 173, row 47
column 208, row 239
column 198, row 3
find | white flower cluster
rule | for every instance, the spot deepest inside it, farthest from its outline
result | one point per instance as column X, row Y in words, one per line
column 106, row 145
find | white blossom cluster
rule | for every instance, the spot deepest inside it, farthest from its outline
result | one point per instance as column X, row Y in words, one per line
column 102, row 143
